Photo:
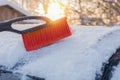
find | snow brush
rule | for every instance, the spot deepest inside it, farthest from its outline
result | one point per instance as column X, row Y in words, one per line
column 40, row 35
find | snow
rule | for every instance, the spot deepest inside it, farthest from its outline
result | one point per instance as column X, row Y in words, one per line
column 10, row 50
column 2, row 2
column 16, row 7
column 78, row 57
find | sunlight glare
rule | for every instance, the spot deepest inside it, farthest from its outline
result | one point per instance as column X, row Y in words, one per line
column 55, row 11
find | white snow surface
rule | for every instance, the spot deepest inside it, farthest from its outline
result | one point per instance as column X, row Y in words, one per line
column 78, row 57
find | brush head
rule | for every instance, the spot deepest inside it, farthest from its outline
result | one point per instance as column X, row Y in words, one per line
column 41, row 37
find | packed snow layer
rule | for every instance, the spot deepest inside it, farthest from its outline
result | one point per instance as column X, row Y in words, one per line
column 11, row 48
column 78, row 57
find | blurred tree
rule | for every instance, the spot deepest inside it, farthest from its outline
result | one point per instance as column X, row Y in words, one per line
column 84, row 12
column 95, row 12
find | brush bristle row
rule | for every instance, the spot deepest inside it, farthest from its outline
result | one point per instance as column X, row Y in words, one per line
column 43, row 37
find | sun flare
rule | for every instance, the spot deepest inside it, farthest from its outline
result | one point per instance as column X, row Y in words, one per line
column 55, row 11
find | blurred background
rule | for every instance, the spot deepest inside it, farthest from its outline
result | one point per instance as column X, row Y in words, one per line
column 78, row 12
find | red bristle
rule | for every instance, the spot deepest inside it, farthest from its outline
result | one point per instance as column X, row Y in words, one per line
column 42, row 37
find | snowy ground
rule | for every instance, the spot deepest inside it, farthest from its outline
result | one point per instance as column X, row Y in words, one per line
column 78, row 57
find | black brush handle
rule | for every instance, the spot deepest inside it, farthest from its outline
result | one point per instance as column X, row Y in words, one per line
column 30, row 17
column 3, row 26
column 6, row 26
